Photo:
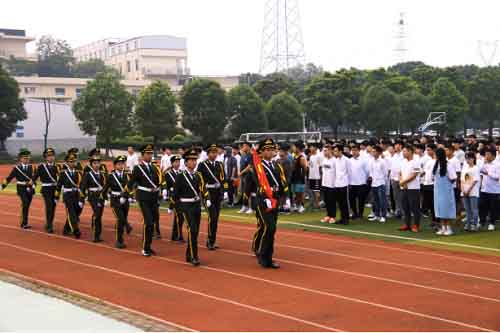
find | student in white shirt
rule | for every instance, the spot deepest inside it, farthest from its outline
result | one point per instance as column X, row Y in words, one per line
column 165, row 159
column 395, row 169
column 132, row 159
column 470, row 191
column 341, row 183
column 410, row 190
column 358, row 182
column 489, row 199
column 314, row 177
column 455, row 163
column 428, row 183
column 328, row 184
column 378, row 175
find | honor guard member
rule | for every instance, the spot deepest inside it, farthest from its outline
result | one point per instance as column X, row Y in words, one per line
column 189, row 191
column 117, row 188
column 24, row 174
column 92, row 188
column 78, row 165
column 271, row 184
column 48, row 173
column 212, row 172
column 69, row 185
column 170, row 177
column 147, row 181
column 102, row 167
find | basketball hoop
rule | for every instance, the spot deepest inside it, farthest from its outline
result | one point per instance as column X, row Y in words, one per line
column 434, row 118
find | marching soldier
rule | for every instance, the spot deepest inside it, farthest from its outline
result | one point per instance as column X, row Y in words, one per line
column 78, row 167
column 48, row 173
column 189, row 191
column 92, row 188
column 69, row 185
column 271, row 184
column 147, row 181
column 212, row 172
column 170, row 177
column 102, row 167
column 117, row 185
column 24, row 174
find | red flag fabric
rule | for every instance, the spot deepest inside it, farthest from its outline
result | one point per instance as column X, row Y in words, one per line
column 262, row 178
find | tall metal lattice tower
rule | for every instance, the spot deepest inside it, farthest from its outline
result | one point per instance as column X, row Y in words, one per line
column 487, row 50
column 401, row 40
column 282, row 41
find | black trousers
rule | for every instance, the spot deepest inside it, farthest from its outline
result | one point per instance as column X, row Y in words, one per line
column 49, row 200
column 331, row 205
column 150, row 213
column 71, row 201
column 121, row 214
column 178, row 222
column 97, row 205
column 428, row 200
column 357, row 199
column 230, row 192
column 411, row 206
column 488, row 206
column 341, row 199
column 264, row 236
column 192, row 216
column 26, row 197
column 213, row 215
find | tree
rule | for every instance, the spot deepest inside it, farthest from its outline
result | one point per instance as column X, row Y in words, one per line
column 249, row 78
column 401, row 84
column 271, row 85
column 246, row 111
column 203, row 103
column 485, row 94
column 445, row 97
column 47, row 111
column 380, row 108
column 414, row 109
column 284, row 113
column 19, row 67
column 155, row 112
column 405, row 68
column 425, row 76
column 11, row 107
column 88, row 69
column 104, row 107
column 55, row 57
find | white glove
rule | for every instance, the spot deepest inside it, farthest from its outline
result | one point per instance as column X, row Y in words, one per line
column 209, row 203
column 164, row 193
column 169, row 211
column 106, row 203
column 55, row 201
column 99, row 205
column 165, row 198
column 226, row 196
column 130, row 200
column 80, row 204
column 123, row 201
column 287, row 204
column 268, row 203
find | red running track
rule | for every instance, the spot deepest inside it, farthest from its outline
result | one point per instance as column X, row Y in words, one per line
column 326, row 283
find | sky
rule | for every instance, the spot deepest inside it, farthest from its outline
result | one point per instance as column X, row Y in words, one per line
column 224, row 36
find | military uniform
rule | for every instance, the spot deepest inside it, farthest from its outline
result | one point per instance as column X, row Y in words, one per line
column 78, row 167
column 24, row 175
column 117, row 188
column 92, row 188
column 178, row 220
column 147, row 182
column 69, row 185
column 102, row 168
column 48, row 173
column 189, row 191
column 215, row 182
column 273, row 182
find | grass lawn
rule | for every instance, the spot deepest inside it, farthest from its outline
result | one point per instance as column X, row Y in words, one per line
column 480, row 242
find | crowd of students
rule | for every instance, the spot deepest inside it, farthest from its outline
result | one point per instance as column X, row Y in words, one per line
column 442, row 179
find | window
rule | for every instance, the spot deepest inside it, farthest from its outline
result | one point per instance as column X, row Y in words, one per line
column 136, row 65
column 126, row 47
column 60, row 91
column 128, row 67
column 19, row 131
column 78, row 92
column 29, row 90
column 135, row 44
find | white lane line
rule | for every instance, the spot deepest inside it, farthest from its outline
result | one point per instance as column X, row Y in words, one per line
column 171, row 286
column 250, row 277
column 96, row 299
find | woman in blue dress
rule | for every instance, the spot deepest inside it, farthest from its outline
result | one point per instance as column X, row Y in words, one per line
column 444, row 195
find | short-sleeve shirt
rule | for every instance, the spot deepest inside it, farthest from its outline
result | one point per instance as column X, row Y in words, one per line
column 409, row 167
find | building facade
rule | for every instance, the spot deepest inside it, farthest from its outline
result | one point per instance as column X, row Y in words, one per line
column 13, row 43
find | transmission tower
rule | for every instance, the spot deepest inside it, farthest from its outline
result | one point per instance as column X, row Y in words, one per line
column 487, row 51
column 282, row 43
column 401, row 36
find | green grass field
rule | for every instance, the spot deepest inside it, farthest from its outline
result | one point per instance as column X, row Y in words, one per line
column 480, row 242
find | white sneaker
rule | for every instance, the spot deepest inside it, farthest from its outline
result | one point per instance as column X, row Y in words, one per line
column 293, row 209
column 382, row 220
column 243, row 209
column 373, row 218
column 301, row 209
column 448, row 231
column 440, row 232
column 491, row 227
column 249, row 211
column 389, row 215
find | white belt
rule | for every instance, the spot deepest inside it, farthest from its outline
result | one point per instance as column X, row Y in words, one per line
column 22, row 183
column 147, row 189
column 189, row 200
column 66, row 190
column 213, row 185
column 95, row 189
column 118, row 194
column 48, row 184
